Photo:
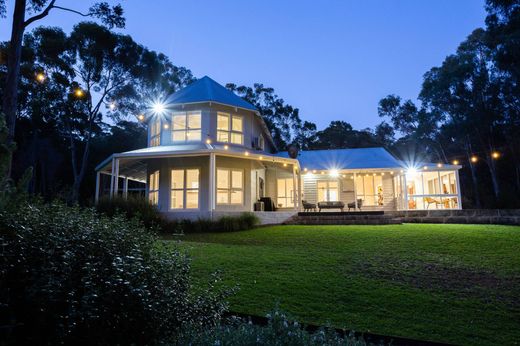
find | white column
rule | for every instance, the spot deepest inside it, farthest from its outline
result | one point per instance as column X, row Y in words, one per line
column 405, row 186
column 116, row 177
column 112, row 178
column 300, row 196
column 98, row 177
column 295, row 196
column 212, row 179
column 355, row 193
column 125, row 188
column 459, row 197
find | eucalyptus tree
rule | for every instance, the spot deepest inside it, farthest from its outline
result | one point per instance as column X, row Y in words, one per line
column 27, row 12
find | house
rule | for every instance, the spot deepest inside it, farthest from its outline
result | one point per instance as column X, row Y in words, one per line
column 210, row 153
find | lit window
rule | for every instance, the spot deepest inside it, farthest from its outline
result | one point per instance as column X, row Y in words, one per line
column 328, row 191
column 153, row 191
column 186, row 126
column 230, row 128
column 285, row 191
column 155, row 133
column 370, row 189
column 185, row 189
column 230, row 186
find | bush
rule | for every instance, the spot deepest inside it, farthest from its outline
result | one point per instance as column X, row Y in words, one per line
column 132, row 207
column 70, row 275
column 279, row 331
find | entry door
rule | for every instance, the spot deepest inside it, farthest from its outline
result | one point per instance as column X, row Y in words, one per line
column 328, row 191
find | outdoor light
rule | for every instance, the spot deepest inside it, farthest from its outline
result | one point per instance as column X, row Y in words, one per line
column 246, row 153
column 383, row 173
column 208, row 141
column 313, row 171
column 322, row 172
column 305, row 169
column 455, row 162
column 112, row 106
column 411, row 172
column 285, row 165
column 343, row 176
column 334, row 173
column 158, row 107
column 261, row 157
column 166, row 126
column 495, row 155
column 392, row 172
column 439, row 165
column 140, row 117
column 40, row 77
column 226, row 147
column 474, row 159
column 79, row 93
column 425, row 167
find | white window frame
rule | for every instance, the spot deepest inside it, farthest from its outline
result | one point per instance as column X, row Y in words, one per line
column 155, row 132
column 186, row 129
column 184, row 188
column 327, row 189
column 153, row 188
column 288, row 194
column 229, row 130
column 230, row 189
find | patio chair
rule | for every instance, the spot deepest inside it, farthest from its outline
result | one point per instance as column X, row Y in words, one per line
column 352, row 205
column 430, row 200
column 308, row 206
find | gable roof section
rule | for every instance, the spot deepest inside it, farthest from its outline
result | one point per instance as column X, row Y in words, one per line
column 363, row 158
column 207, row 90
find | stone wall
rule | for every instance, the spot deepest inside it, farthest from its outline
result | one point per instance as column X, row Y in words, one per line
column 475, row 216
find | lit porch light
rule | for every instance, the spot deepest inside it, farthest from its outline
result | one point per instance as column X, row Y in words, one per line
column 392, row 172
column 166, row 126
column 334, row 173
column 78, row 92
column 411, row 172
column 226, row 147
column 208, row 141
column 246, row 153
column 343, row 176
column 285, row 164
column 313, row 171
column 322, row 173
column 495, row 155
column 455, row 162
column 425, row 167
column 439, row 165
column 305, row 169
column 261, row 157
column 158, row 107
column 382, row 173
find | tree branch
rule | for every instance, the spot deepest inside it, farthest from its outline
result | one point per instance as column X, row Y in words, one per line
column 73, row 11
column 43, row 14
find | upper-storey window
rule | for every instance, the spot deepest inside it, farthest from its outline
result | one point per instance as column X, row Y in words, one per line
column 155, row 133
column 230, row 128
column 186, row 126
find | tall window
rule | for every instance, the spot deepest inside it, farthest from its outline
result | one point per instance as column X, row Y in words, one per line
column 186, row 126
column 369, row 188
column 155, row 133
column 285, row 198
column 230, row 128
column 230, row 186
column 328, row 191
column 153, row 190
column 185, row 189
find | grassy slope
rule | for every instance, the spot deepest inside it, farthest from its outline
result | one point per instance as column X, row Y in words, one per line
column 451, row 283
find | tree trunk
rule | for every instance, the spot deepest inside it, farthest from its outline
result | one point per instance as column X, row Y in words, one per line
column 10, row 99
column 493, row 172
column 473, row 176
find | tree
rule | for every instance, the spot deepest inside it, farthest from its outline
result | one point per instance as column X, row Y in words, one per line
column 340, row 134
column 39, row 9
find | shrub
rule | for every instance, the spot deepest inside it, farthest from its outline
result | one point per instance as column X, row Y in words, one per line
column 70, row 275
column 279, row 331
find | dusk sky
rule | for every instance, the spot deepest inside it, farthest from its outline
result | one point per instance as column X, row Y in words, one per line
column 334, row 60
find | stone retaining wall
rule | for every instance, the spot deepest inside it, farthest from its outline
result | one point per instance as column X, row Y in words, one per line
column 468, row 216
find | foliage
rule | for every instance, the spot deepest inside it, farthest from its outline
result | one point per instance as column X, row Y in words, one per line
column 457, row 284
column 72, row 276
column 149, row 215
column 280, row 330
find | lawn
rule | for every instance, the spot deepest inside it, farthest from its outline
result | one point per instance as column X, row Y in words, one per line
column 447, row 283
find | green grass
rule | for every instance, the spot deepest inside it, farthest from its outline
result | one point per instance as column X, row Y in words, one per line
column 446, row 283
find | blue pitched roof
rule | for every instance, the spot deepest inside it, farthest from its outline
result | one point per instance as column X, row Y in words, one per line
column 207, row 90
column 363, row 158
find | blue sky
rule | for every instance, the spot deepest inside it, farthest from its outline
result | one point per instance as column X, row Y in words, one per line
column 334, row 60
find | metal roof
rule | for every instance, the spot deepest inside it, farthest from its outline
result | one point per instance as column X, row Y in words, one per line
column 207, row 90
column 364, row 158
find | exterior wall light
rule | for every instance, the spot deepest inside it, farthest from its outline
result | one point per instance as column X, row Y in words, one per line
column 455, row 162
column 439, row 165
column 334, row 173
column 166, row 126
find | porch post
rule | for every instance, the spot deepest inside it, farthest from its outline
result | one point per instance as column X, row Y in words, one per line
column 98, row 177
column 212, row 178
column 355, row 193
column 112, row 178
column 116, row 178
column 459, row 196
column 405, row 185
column 295, row 193
column 300, row 197
column 125, row 188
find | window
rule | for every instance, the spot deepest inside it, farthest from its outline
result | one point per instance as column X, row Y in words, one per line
column 285, row 198
column 328, row 191
column 230, row 128
column 261, row 142
column 153, row 191
column 186, row 126
column 230, row 186
column 432, row 190
column 185, row 189
column 369, row 188
column 155, row 133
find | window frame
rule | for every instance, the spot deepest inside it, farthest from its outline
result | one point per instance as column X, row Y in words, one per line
column 186, row 129
column 375, row 195
column 184, row 188
column 155, row 133
column 152, row 189
column 288, row 194
column 230, row 189
column 229, row 129
column 327, row 189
